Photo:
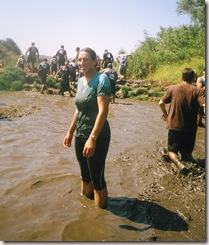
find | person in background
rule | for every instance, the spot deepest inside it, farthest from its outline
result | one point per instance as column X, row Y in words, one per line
column 77, row 54
column 181, row 118
column 53, row 65
column 33, row 56
column 123, row 64
column 113, row 77
column 98, row 67
column 61, row 56
column 107, row 58
column 21, row 62
column 43, row 71
column 78, row 73
column 73, row 73
column 200, row 83
column 92, row 130
column 63, row 75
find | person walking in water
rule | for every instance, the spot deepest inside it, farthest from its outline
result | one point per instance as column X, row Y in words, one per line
column 92, row 130
column 63, row 75
column 113, row 77
column 43, row 71
column 181, row 118
column 33, row 56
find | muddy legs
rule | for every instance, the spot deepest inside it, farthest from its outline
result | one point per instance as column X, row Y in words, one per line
column 100, row 196
column 87, row 189
column 174, row 158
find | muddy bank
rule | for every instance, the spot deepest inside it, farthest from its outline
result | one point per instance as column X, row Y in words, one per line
column 12, row 111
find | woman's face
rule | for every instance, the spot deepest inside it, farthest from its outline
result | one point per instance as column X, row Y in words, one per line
column 85, row 62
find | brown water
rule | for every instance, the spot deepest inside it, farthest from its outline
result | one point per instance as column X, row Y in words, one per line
column 40, row 185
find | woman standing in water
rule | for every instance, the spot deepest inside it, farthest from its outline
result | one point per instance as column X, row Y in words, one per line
column 92, row 131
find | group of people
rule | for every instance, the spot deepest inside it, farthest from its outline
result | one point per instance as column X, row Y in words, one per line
column 32, row 54
column 92, row 132
column 60, row 57
column 122, row 59
column 91, row 129
column 68, row 72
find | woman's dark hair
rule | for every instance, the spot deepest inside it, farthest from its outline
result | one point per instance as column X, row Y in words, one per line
column 91, row 52
column 188, row 75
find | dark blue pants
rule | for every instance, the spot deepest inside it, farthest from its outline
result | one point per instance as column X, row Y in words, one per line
column 92, row 168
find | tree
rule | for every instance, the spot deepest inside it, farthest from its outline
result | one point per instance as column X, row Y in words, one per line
column 10, row 45
column 194, row 8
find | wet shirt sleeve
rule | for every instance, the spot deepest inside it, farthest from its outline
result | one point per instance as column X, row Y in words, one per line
column 103, row 86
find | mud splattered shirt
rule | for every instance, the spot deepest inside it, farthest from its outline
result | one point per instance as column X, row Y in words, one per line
column 86, row 102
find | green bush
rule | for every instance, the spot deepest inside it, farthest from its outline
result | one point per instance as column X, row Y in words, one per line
column 37, row 86
column 172, row 47
column 10, row 78
column 52, row 82
column 17, row 85
column 125, row 90
column 141, row 91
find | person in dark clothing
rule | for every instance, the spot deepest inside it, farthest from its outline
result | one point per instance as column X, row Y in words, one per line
column 61, row 56
column 107, row 58
column 73, row 73
column 53, row 65
column 63, row 75
column 43, row 71
column 91, row 128
column 113, row 77
column 181, row 118
column 33, row 56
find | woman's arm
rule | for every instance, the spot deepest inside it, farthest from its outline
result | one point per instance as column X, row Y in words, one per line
column 68, row 138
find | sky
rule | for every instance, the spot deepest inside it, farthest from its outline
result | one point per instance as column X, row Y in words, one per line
column 98, row 24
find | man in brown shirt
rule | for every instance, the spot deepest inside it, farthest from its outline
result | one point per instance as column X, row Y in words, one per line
column 181, row 118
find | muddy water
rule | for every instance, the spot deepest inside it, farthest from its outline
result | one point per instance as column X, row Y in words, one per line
column 40, row 185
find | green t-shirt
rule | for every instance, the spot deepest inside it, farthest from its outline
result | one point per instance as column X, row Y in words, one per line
column 86, row 102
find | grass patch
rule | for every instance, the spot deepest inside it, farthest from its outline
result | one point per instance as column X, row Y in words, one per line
column 125, row 91
column 155, row 93
column 172, row 72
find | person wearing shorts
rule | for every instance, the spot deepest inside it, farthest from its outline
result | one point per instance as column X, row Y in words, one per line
column 181, row 118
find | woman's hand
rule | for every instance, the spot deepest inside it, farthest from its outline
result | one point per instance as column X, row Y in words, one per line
column 89, row 148
column 67, row 141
